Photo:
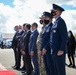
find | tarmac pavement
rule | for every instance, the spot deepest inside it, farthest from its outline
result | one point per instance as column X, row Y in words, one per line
column 7, row 61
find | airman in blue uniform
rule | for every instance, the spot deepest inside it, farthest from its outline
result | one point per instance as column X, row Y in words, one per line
column 45, row 45
column 58, row 41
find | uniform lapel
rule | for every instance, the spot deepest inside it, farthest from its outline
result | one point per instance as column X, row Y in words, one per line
column 56, row 23
column 46, row 27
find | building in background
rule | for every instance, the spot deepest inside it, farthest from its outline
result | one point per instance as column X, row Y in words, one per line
column 6, row 36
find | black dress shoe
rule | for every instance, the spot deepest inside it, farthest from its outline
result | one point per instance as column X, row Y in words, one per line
column 17, row 67
column 73, row 66
column 23, row 72
column 23, row 68
column 13, row 66
column 69, row 65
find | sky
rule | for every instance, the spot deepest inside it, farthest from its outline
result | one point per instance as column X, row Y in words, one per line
column 18, row 12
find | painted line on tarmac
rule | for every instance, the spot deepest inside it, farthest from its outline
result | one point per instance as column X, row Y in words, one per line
column 2, row 67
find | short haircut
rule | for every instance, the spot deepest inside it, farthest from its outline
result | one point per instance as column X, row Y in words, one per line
column 35, row 24
column 28, row 26
column 16, row 26
column 24, row 24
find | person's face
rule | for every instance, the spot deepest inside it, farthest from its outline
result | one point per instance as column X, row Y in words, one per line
column 16, row 28
column 26, row 28
column 41, row 20
column 20, row 27
column 46, row 18
column 57, row 13
column 33, row 27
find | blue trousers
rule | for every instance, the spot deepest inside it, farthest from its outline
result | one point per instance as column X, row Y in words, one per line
column 35, row 63
column 48, row 64
column 59, row 64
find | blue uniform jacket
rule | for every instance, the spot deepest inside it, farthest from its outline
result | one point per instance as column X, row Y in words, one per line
column 33, row 40
column 59, row 36
column 46, row 38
